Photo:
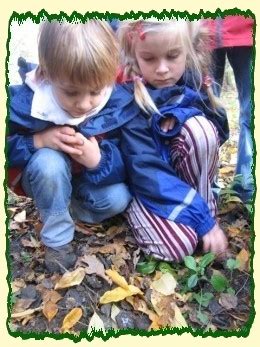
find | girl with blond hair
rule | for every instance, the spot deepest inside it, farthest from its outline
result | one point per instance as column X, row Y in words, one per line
column 168, row 63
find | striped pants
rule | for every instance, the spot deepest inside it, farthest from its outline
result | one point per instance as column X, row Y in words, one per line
column 194, row 154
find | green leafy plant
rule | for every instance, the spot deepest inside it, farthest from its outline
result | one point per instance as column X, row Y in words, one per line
column 150, row 265
column 232, row 264
column 197, row 269
column 219, row 282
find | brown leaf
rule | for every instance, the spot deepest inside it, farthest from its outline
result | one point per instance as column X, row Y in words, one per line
column 228, row 301
column 22, row 304
column 70, row 279
column 94, row 266
column 50, row 310
column 17, row 284
column 232, row 231
column 51, row 295
column 32, row 243
column 243, row 258
column 71, row 319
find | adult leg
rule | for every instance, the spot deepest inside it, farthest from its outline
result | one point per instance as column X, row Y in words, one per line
column 240, row 59
column 47, row 179
column 194, row 154
column 158, row 237
column 218, row 68
column 93, row 204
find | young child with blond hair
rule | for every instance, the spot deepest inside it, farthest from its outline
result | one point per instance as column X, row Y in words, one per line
column 62, row 166
column 168, row 62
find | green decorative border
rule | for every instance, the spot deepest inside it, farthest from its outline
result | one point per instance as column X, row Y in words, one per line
column 75, row 17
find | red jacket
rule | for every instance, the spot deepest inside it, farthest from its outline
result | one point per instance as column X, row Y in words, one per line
column 231, row 31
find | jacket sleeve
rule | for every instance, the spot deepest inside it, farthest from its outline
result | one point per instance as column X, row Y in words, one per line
column 20, row 149
column 180, row 114
column 111, row 168
column 153, row 181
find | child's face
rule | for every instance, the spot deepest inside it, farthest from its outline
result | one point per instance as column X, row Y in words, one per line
column 77, row 100
column 160, row 58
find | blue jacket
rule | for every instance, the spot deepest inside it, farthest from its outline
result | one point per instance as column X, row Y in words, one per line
column 128, row 152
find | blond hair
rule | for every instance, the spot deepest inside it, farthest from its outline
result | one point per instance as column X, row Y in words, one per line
column 84, row 53
column 193, row 36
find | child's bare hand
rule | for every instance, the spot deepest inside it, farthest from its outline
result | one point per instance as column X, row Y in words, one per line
column 91, row 155
column 60, row 138
column 167, row 124
column 215, row 240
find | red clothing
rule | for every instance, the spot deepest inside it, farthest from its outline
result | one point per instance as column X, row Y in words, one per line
column 231, row 31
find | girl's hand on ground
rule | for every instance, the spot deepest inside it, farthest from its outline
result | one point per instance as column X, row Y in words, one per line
column 167, row 124
column 91, row 155
column 61, row 138
column 215, row 241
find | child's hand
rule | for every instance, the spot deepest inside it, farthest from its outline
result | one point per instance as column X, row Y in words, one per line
column 215, row 240
column 61, row 138
column 91, row 155
column 167, row 124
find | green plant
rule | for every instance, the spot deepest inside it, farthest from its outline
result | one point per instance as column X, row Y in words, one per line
column 197, row 269
column 232, row 264
column 26, row 257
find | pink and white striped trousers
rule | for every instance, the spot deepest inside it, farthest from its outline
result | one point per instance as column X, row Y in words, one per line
column 194, row 154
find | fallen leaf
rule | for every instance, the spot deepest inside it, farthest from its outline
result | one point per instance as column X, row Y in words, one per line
column 232, row 231
column 22, row 304
column 50, row 309
column 17, row 284
column 71, row 319
column 117, row 279
column 119, row 294
column 95, row 323
column 167, row 310
column 20, row 217
column 243, row 258
column 140, row 305
column 94, row 266
column 70, row 279
column 51, row 295
column 165, row 285
column 32, row 243
column 26, row 312
column 114, row 312
column 84, row 229
column 228, row 301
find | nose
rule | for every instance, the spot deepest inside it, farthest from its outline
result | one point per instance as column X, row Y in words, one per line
column 84, row 103
column 162, row 67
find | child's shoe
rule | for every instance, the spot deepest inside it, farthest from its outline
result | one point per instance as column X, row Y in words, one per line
column 60, row 259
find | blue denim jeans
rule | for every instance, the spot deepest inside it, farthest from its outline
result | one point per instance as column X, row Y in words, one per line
column 59, row 198
column 240, row 59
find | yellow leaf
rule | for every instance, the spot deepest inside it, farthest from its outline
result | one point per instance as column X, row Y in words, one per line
column 70, row 279
column 179, row 321
column 119, row 294
column 50, row 310
column 71, row 319
column 243, row 258
column 117, row 279
column 165, row 285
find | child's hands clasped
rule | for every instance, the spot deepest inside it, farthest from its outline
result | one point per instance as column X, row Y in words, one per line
column 91, row 155
column 167, row 124
column 215, row 240
column 66, row 139
column 60, row 138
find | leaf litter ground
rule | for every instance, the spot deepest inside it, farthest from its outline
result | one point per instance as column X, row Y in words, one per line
column 115, row 286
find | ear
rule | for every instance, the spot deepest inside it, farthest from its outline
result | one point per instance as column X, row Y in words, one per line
column 40, row 73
